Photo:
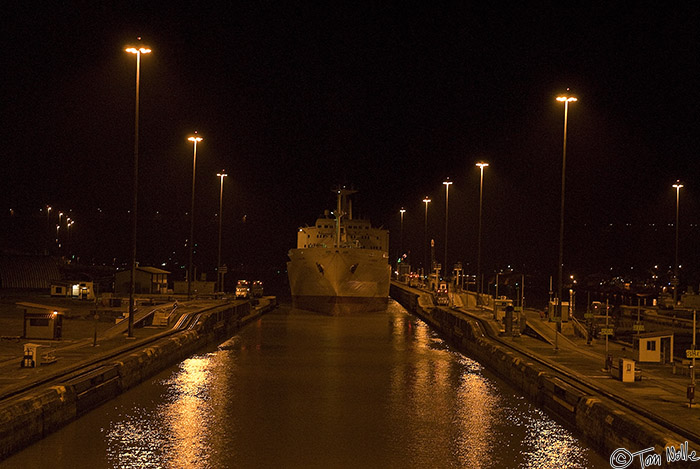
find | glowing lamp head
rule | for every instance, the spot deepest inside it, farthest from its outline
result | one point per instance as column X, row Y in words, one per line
column 678, row 185
column 566, row 99
column 195, row 139
column 140, row 50
column 447, row 182
column 482, row 165
column 426, row 200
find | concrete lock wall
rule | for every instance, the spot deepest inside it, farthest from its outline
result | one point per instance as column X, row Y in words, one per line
column 34, row 416
column 31, row 416
column 605, row 424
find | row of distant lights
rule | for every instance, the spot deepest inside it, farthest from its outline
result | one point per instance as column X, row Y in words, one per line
column 69, row 221
column 99, row 210
column 693, row 225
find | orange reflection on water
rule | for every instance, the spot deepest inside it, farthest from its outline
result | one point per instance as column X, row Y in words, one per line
column 187, row 414
column 177, row 436
column 477, row 406
column 552, row 446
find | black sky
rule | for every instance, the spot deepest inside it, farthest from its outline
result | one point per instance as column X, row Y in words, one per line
column 293, row 99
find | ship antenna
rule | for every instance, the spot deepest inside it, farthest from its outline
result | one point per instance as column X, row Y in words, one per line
column 342, row 194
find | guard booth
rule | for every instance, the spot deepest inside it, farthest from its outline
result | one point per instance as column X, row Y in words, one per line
column 42, row 321
column 627, row 372
column 32, row 355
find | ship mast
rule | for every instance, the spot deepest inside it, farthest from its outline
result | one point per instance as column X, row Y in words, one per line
column 342, row 203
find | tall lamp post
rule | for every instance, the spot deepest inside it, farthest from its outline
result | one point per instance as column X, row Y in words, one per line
column 426, row 201
column 48, row 229
column 402, row 211
column 566, row 100
column 138, row 51
column 481, row 166
column 194, row 139
column 677, row 186
column 447, row 184
column 69, row 223
column 219, row 276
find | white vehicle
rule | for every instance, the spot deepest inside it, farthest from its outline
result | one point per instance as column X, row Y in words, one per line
column 441, row 296
column 243, row 289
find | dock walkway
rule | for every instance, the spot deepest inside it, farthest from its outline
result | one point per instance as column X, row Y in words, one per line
column 660, row 395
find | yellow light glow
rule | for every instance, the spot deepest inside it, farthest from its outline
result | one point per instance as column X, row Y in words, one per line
column 141, row 50
column 427, row 200
column 566, row 99
column 195, row 139
column 482, row 165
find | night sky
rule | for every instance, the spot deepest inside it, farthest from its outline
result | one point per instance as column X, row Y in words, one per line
column 292, row 100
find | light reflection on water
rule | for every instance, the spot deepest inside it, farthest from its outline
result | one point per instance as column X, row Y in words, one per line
column 174, row 433
column 301, row 390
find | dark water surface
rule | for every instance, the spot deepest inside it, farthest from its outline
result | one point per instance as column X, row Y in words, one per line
column 297, row 389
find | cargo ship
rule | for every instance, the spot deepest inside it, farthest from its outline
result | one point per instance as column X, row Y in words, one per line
column 341, row 264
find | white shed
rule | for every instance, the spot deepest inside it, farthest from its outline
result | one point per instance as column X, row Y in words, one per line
column 654, row 347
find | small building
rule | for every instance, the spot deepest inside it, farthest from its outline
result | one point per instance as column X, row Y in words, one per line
column 41, row 321
column 147, row 280
column 81, row 290
column 654, row 347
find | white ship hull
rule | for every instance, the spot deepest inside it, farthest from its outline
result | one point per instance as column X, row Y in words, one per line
column 339, row 280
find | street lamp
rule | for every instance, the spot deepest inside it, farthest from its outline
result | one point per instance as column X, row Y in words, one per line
column 402, row 211
column 447, row 184
column 137, row 52
column 194, row 139
column 219, row 276
column 566, row 100
column 69, row 223
column 48, row 228
column 481, row 166
column 426, row 201
column 677, row 186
